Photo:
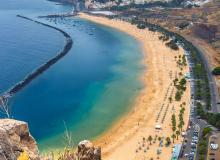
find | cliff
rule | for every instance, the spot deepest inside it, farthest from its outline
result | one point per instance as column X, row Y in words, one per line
column 15, row 139
column 16, row 142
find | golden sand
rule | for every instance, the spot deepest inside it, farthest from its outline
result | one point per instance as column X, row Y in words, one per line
column 124, row 141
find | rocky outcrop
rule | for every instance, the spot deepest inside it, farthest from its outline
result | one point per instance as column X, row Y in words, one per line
column 16, row 139
column 86, row 151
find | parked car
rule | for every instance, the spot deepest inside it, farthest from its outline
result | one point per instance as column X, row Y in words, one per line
column 193, row 144
column 195, row 141
column 186, row 155
column 195, row 138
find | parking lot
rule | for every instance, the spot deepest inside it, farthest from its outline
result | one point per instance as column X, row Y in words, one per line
column 190, row 143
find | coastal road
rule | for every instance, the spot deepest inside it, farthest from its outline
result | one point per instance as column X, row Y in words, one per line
column 202, row 124
column 215, row 107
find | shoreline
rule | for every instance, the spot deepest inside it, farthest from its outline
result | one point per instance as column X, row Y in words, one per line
column 68, row 45
column 119, row 142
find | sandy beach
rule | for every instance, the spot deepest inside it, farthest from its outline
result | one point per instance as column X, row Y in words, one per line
column 127, row 139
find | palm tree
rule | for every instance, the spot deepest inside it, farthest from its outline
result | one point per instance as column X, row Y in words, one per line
column 174, row 128
column 168, row 141
column 159, row 139
column 177, row 134
column 181, row 124
column 170, row 99
column 150, row 139
column 173, row 119
column 173, row 136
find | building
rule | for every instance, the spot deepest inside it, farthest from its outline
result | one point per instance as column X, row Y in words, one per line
column 176, row 151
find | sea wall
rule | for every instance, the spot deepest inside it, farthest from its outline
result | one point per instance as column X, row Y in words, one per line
column 45, row 66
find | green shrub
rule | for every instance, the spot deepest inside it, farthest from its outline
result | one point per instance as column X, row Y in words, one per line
column 164, row 38
column 178, row 96
column 141, row 26
column 206, row 131
column 172, row 44
column 216, row 71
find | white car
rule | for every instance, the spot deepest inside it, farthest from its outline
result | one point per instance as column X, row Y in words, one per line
column 186, row 155
column 214, row 146
column 193, row 144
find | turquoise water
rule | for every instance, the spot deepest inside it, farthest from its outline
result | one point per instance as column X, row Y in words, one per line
column 89, row 89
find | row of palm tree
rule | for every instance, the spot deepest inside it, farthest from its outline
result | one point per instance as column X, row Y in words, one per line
column 176, row 133
column 173, row 119
column 181, row 120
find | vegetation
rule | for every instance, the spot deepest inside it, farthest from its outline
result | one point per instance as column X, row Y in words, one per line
column 164, row 38
column 172, row 44
column 181, row 61
column 181, row 87
column 141, row 26
column 202, row 145
column 206, row 131
column 211, row 118
column 4, row 107
column 68, row 154
column 159, row 139
column 173, row 123
column 173, row 136
column 150, row 139
column 177, row 134
column 216, row 71
column 168, row 141
column 181, row 121
column 170, row 99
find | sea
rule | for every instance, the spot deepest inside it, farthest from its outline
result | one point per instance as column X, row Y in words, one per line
column 85, row 92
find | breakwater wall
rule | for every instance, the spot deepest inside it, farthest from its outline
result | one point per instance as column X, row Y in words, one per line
column 45, row 66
